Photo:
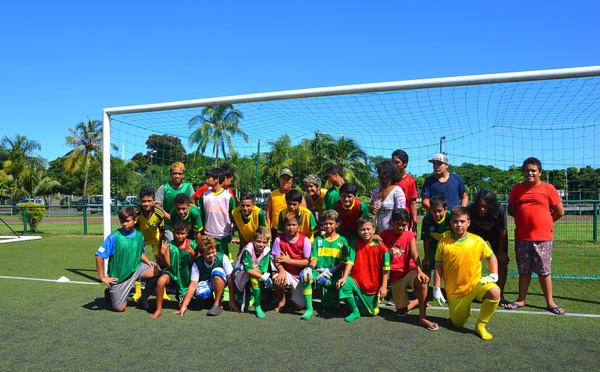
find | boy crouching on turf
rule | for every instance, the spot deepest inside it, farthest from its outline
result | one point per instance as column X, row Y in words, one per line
column 253, row 264
column 176, row 257
column 405, row 268
column 458, row 261
column 127, row 262
column 327, row 260
column 210, row 274
column 291, row 251
column 366, row 274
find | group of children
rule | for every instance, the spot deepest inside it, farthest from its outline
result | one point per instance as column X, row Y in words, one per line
column 338, row 253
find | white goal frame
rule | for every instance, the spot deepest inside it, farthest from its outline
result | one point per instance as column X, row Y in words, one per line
column 522, row 76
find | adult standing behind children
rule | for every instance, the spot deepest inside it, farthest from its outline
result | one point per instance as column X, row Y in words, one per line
column 535, row 205
column 387, row 196
column 443, row 183
column 488, row 220
column 336, row 180
column 165, row 195
column 408, row 185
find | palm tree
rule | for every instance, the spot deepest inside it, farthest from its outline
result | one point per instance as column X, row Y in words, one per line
column 86, row 139
column 348, row 154
column 218, row 125
column 19, row 161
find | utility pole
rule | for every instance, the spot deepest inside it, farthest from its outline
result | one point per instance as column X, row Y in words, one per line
column 441, row 140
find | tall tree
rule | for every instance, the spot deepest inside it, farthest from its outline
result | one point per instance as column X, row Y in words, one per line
column 217, row 125
column 19, row 162
column 86, row 139
column 164, row 149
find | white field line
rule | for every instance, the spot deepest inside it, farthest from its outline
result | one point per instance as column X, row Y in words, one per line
column 45, row 280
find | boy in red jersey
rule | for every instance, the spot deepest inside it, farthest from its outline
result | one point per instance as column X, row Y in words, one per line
column 292, row 252
column 350, row 210
column 366, row 273
column 408, row 185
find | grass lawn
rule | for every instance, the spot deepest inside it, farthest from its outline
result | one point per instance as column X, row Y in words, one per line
column 64, row 326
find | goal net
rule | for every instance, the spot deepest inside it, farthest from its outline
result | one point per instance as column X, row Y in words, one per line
column 487, row 124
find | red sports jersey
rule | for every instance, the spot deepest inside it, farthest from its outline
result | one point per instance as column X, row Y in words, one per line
column 369, row 264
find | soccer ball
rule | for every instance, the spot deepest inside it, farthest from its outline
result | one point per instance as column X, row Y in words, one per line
column 203, row 290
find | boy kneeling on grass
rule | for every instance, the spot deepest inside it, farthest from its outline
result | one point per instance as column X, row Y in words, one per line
column 366, row 274
column 252, row 271
column 176, row 257
column 127, row 262
column 458, row 261
column 211, row 272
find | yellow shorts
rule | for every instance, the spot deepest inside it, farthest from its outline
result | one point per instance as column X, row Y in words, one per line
column 460, row 306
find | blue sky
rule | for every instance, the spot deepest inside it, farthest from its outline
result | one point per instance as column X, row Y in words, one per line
column 63, row 62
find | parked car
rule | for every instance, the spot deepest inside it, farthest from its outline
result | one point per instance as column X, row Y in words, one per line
column 78, row 204
column 16, row 208
column 130, row 200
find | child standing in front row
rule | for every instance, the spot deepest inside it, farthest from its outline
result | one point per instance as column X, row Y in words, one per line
column 405, row 268
column 366, row 274
column 127, row 261
column 253, row 263
column 327, row 261
column 211, row 273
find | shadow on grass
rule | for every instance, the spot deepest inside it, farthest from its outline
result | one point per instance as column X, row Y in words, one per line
column 97, row 304
column 80, row 272
column 541, row 295
column 413, row 319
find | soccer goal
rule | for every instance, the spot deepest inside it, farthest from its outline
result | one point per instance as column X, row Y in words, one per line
column 487, row 124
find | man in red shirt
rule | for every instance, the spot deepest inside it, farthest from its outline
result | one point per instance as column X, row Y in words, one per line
column 535, row 205
column 408, row 185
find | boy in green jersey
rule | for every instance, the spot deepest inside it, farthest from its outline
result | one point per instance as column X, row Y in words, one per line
column 127, row 261
column 436, row 225
column 183, row 211
column 327, row 259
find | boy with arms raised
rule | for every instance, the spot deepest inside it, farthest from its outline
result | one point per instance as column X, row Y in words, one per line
column 254, row 263
column 308, row 223
column 292, row 252
column 176, row 257
column 535, row 205
column 350, row 210
column 211, row 272
column 327, row 260
column 183, row 211
column 151, row 223
column 405, row 268
column 216, row 206
column 436, row 225
column 127, row 261
column 247, row 217
column 458, row 261
column 366, row 273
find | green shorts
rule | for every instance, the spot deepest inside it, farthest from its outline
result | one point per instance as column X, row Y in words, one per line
column 367, row 304
column 330, row 295
column 223, row 245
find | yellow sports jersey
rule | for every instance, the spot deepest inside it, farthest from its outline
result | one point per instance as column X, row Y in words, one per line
column 277, row 205
column 247, row 226
column 308, row 225
column 151, row 226
column 461, row 262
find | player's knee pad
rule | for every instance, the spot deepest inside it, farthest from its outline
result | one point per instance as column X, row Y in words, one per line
column 218, row 272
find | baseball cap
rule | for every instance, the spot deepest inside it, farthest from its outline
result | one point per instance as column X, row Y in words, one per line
column 439, row 157
column 287, row 172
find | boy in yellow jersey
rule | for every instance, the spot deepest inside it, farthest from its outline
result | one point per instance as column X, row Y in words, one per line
column 458, row 261
column 247, row 217
column 276, row 202
column 308, row 223
column 151, row 223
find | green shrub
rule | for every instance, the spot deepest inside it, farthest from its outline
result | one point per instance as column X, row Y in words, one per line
column 34, row 214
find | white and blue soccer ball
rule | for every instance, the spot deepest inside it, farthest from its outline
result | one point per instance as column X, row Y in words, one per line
column 203, row 290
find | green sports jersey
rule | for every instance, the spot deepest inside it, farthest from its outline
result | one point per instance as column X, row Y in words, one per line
column 180, row 268
column 331, row 197
column 434, row 231
column 329, row 253
column 206, row 271
column 193, row 219
column 249, row 264
column 127, row 255
column 171, row 193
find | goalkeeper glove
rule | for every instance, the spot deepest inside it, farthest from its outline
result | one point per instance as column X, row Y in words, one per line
column 492, row 278
column 306, row 275
column 267, row 279
column 438, row 296
column 325, row 275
